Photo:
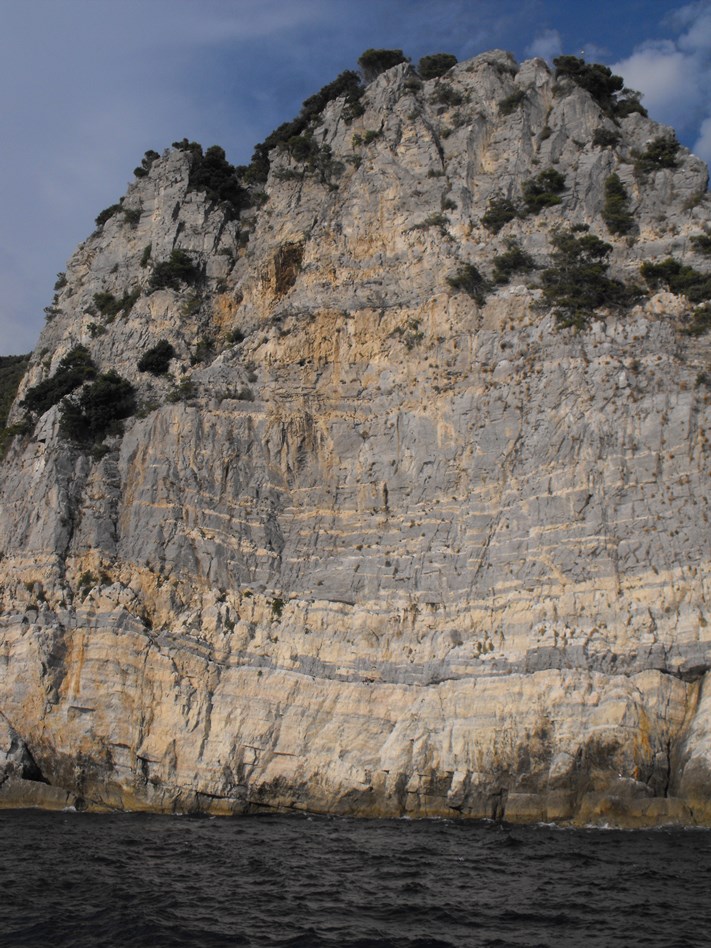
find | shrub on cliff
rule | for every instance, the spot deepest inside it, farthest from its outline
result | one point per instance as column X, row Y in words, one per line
column 513, row 260
column 156, row 360
column 178, row 269
column 679, row 278
column 543, row 191
column 606, row 88
column 470, row 281
column 499, row 212
column 12, row 368
column 75, row 368
column 347, row 84
column 576, row 284
column 373, row 62
column 98, row 409
column 660, row 153
column 615, row 212
column 436, row 65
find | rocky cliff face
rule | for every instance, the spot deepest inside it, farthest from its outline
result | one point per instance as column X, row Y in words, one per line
column 375, row 545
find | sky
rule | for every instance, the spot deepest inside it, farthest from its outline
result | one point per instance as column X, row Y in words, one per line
column 87, row 86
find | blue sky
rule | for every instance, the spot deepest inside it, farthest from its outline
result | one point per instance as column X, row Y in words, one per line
column 87, row 86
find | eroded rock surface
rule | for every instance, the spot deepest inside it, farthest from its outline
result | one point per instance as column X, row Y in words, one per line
column 373, row 548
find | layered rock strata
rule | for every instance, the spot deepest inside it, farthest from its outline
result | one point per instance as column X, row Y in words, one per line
column 389, row 550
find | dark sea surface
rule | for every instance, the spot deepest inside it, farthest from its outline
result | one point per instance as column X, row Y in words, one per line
column 71, row 879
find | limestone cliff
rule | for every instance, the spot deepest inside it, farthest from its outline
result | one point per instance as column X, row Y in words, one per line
column 385, row 540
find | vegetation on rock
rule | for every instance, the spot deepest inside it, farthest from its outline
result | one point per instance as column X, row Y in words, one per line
column 469, row 280
column 156, row 360
column 543, row 191
column 99, row 408
column 177, row 270
column 616, row 213
column 375, row 61
column 513, row 260
column 607, row 89
column 75, row 368
column 436, row 65
column 660, row 153
column 576, row 283
column 679, row 278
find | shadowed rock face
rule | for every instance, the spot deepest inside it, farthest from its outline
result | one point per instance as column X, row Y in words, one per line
column 392, row 552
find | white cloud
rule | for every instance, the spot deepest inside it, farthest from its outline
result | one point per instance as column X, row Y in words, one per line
column 547, row 45
column 672, row 82
column 674, row 75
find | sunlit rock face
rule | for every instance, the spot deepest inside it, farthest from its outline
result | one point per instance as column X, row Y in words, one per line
column 373, row 546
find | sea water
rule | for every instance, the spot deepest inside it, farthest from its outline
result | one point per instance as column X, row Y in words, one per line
column 87, row 880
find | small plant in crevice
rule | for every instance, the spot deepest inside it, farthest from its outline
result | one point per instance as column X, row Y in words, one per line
column 467, row 279
column 447, row 96
column 576, row 284
column 438, row 220
column 514, row 260
column 410, row 333
column 146, row 255
column 277, row 608
column 616, row 212
column 511, row 103
column 700, row 322
column 702, row 244
column 185, row 390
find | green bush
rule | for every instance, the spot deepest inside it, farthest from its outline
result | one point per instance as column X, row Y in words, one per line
column 543, row 191
column 373, row 62
column 615, row 212
column 12, row 369
column 660, row 153
column 110, row 306
column 436, row 65
column 702, row 244
column 679, row 278
column 605, row 138
column 700, row 322
column 156, row 360
column 178, row 269
column 469, row 280
column 146, row 163
column 444, row 94
column 132, row 215
column 576, row 284
column 107, row 214
column 212, row 174
column 511, row 102
column 499, row 212
column 146, row 255
column 99, row 408
column 607, row 89
column 513, row 260
column 347, row 84
column 75, row 368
